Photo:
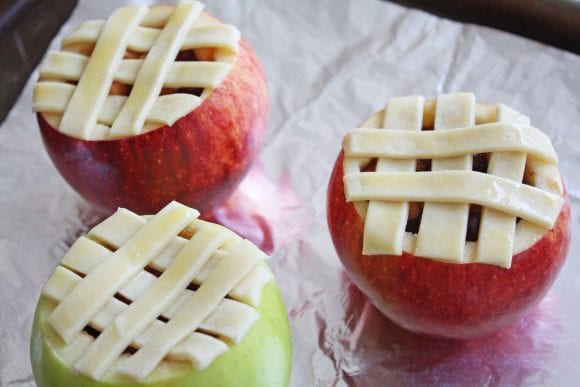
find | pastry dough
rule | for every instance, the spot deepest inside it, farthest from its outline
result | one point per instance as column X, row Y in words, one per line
column 405, row 113
column 493, row 137
column 461, row 129
column 521, row 200
column 75, row 84
column 74, row 312
column 231, row 269
column 106, row 282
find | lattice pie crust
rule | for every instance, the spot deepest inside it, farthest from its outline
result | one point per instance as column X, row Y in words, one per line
column 517, row 198
column 133, row 293
column 134, row 72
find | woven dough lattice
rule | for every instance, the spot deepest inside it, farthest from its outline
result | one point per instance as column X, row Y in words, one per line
column 133, row 293
column 134, row 72
column 451, row 185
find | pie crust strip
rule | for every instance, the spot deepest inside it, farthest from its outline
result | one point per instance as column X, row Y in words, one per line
column 156, row 65
column 80, row 117
column 70, row 66
column 432, row 144
column 197, row 348
column 232, row 268
column 497, row 229
column 449, row 187
column 63, row 280
column 53, row 97
column 446, row 239
column 385, row 221
column 76, row 310
column 160, row 295
column 199, row 36
column 94, row 113
column 230, row 320
column 85, row 253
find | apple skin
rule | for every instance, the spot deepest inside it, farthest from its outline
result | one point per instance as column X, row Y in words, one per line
column 198, row 161
column 262, row 358
column 433, row 298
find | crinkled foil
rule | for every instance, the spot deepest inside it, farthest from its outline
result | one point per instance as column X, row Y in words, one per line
column 330, row 64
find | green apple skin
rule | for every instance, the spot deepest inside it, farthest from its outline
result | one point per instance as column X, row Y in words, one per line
column 262, row 358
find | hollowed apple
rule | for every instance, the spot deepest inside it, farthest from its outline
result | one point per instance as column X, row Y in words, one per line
column 163, row 300
column 439, row 298
column 263, row 358
column 198, row 160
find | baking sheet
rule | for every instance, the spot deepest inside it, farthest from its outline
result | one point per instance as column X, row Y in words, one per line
column 330, row 64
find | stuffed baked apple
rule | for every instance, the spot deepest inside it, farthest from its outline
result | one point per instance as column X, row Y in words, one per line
column 449, row 215
column 168, row 300
column 152, row 105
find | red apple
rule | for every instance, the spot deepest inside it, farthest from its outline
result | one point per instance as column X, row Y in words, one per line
column 441, row 299
column 199, row 160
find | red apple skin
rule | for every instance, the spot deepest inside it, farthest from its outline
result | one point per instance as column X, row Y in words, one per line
column 198, row 161
column 454, row 301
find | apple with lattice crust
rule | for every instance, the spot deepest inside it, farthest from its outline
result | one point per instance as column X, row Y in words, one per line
column 450, row 215
column 163, row 300
column 152, row 105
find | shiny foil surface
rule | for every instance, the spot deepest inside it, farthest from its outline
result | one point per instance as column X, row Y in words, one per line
column 330, row 64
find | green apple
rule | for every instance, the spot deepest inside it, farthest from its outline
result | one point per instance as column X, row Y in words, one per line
column 262, row 358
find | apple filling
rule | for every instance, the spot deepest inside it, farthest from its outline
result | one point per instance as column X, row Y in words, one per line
column 141, row 69
column 136, row 295
column 451, row 180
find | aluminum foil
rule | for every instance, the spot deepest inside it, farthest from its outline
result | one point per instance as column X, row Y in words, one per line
column 330, row 64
